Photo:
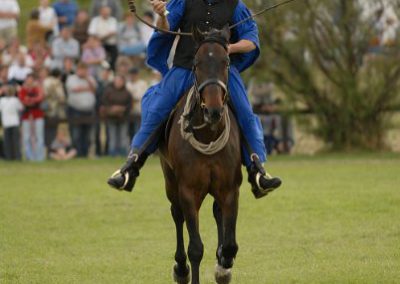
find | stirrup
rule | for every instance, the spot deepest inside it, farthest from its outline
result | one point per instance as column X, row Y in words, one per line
column 270, row 184
column 118, row 173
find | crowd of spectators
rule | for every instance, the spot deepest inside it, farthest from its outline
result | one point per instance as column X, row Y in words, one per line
column 74, row 87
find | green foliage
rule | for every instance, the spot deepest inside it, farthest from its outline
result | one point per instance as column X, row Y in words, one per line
column 317, row 53
column 335, row 220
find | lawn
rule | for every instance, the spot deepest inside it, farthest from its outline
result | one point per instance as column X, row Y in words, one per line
column 335, row 220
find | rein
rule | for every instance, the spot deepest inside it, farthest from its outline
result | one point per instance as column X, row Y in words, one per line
column 132, row 8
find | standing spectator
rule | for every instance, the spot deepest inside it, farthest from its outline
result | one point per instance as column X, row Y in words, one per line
column 36, row 33
column 40, row 56
column 81, row 108
column 81, row 26
column 106, row 77
column 145, row 31
column 66, row 11
column 115, row 108
column 93, row 54
column 18, row 72
column 129, row 37
column 54, row 102
column 48, row 16
column 13, row 50
column 64, row 46
column 105, row 27
column 115, row 6
column 31, row 97
column 67, row 70
column 136, row 87
column 10, row 108
column 9, row 14
column 3, row 75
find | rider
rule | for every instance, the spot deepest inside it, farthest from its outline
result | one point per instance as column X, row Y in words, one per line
column 160, row 99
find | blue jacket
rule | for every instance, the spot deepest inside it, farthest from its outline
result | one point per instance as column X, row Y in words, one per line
column 160, row 44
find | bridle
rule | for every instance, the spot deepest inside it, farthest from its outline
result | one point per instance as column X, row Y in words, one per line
column 132, row 8
column 199, row 87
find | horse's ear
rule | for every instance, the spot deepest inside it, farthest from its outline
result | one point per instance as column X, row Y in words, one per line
column 198, row 36
column 226, row 32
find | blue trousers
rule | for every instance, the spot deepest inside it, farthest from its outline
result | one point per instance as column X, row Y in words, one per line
column 159, row 101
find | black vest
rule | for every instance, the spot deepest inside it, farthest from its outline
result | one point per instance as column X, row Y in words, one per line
column 205, row 16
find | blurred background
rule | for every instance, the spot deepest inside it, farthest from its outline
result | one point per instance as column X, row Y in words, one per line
column 327, row 79
column 326, row 88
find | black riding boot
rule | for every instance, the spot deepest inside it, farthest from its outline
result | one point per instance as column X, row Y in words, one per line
column 125, row 178
column 261, row 182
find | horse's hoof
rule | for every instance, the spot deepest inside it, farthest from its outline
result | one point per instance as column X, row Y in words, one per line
column 181, row 276
column 222, row 275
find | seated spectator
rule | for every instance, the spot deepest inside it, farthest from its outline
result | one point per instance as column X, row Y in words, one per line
column 64, row 46
column 81, row 103
column 66, row 11
column 81, row 26
column 105, row 27
column 53, row 105
column 18, row 72
column 36, row 32
column 9, row 14
column 10, row 108
column 115, row 6
column 93, row 55
column 61, row 148
column 31, row 97
column 115, row 108
column 48, row 17
column 129, row 37
column 136, row 87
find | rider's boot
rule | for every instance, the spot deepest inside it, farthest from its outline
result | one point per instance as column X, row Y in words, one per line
column 125, row 178
column 261, row 182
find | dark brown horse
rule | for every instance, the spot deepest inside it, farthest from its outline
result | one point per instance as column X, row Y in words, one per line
column 190, row 175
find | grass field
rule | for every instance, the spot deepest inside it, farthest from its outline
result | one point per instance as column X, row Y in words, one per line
column 336, row 220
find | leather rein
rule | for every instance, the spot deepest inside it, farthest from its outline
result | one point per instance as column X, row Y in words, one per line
column 132, row 8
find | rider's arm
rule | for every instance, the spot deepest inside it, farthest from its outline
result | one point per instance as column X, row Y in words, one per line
column 159, row 7
column 242, row 46
column 163, row 23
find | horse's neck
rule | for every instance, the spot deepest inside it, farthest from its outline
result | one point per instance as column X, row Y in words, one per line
column 208, row 133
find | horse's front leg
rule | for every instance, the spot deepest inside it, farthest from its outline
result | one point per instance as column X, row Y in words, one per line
column 190, row 207
column 181, row 269
column 227, row 251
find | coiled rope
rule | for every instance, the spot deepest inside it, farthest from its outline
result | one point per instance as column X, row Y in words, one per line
column 206, row 149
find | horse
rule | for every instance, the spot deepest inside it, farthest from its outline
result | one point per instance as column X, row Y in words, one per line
column 190, row 175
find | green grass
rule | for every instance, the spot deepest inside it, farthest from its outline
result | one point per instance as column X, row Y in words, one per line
column 336, row 220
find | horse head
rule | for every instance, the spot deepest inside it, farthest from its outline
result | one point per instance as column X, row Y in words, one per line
column 211, row 68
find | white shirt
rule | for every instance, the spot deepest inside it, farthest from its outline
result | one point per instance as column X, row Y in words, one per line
column 10, row 107
column 101, row 27
column 48, row 17
column 9, row 6
column 18, row 72
column 84, row 100
column 146, row 32
column 137, row 90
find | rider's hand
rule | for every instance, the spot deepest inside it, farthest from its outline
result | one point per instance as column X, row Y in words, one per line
column 159, row 7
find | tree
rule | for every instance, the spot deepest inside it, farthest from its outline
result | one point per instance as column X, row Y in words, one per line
column 330, row 57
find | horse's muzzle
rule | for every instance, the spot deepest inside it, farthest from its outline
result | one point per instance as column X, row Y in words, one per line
column 213, row 115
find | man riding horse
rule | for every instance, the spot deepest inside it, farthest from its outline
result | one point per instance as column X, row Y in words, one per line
column 160, row 100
